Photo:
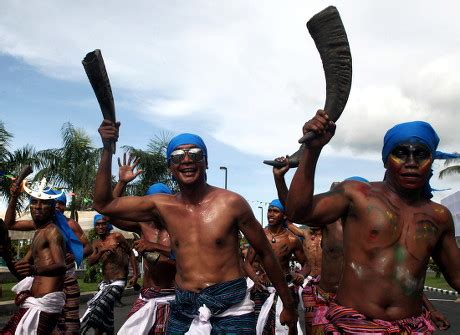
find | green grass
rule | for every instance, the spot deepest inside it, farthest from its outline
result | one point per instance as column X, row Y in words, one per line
column 437, row 282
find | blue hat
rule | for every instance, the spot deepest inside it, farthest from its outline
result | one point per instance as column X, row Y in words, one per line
column 415, row 132
column 276, row 203
column 98, row 217
column 185, row 138
column 158, row 188
column 62, row 198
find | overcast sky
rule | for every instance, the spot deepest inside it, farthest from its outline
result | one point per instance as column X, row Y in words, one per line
column 243, row 74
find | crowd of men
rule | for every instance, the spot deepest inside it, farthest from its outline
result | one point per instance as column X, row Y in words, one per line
column 358, row 267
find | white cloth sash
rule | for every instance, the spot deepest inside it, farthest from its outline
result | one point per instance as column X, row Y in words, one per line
column 201, row 324
column 143, row 320
column 50, row 303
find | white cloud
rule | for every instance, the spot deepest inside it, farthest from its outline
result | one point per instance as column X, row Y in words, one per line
column 249, row 70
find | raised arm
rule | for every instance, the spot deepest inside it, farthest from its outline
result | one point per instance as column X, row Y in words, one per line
column 129, row 208
column 253, row 231
column 295, row 230
column 10, row 215
column 302, row 259
column 280, row 182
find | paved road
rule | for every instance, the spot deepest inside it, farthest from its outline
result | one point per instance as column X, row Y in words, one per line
column 442, row 302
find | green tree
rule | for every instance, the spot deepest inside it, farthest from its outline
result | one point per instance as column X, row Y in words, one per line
column 452, row 167
column 153, row 164
column 72, row 167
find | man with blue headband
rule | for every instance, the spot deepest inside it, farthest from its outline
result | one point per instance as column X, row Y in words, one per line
column 150, row 312
column 115, row 254
column 203, row 223
column 40, row 295
column 287, row 247
column 390, row 230
column 69, row 322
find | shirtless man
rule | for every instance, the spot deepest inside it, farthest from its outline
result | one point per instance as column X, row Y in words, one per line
column 390, row 230
column 69, row 322
column 114, row 252
column 39, row 295
column 203, row 223
column 159, row 267
column 285, row 245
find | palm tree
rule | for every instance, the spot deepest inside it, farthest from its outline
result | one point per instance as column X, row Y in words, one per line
column 72, row 167
column 452, row 166
column 152, row 162
column 11, row 163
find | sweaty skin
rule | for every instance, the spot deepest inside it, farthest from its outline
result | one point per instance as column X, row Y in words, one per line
column 389, row 230
column 202, row 221
column 113, row 251
column 45, row 259
column 154, row 236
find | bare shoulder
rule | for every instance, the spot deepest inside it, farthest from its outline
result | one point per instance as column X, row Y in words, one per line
column 442, row 214
column 74, row 225
column 354, row 187
column 52, row 233
column 117, row 236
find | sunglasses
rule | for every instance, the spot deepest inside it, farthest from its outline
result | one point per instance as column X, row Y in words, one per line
column 195, row 155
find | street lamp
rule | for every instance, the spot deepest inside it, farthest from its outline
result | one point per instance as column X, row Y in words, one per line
column 261, row 215
column 224, row 168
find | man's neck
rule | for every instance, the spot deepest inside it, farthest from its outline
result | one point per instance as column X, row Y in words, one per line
column 408, row 196
column 44, row 225
column 277, row 229
column 193, row 193
column 102, row 237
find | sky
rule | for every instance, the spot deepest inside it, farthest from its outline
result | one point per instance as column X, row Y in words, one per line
column 245, row 75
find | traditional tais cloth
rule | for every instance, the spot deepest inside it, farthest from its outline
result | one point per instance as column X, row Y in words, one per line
column 345, row 320
column 415, row 132
column 323, row 299
column 150, row 313
column 99, row 314
column 69, row 321
column 36, row 315
column 309, row 298
column 223, row 308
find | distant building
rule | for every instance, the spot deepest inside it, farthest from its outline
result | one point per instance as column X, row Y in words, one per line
column 453, row 203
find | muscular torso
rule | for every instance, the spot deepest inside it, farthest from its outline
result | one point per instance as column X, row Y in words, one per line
column 114, row 264
column 283, row 248
column 387, row 245
column 332, row 256
column 41, row 255
column 162, row 273
column 312, row 249
column 204, row 236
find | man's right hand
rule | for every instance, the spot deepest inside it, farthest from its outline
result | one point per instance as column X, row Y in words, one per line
column 126, row 170
column 289, row 317
column 323, row 128
column 24, row 268
column 279, row 172
column 109, row 133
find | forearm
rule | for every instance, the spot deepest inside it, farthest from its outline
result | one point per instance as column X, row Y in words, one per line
column 427, row 303
column 119, row 189
column 10, row 215
column 300, row 196
column 87, row 250
column 94, row 258
column 102, row 187
column 281, row 188
column 134, row 265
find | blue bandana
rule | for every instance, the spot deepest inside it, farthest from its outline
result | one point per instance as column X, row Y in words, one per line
column 158, row 188
column 415, row 132
column 358, row 178
column 276, row 203
column 185, row 138
column 62, row 198
column 98, row 217
column 72, row 242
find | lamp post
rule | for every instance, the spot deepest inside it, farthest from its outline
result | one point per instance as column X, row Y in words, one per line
column 261, row 215
column 225, row 169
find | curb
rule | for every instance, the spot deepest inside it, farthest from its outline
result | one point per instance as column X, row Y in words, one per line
column 439, row 290
column 9, row 307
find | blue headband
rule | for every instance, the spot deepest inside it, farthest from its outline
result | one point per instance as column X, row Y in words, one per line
column 185, row 138
column 415, row 132
column 276, row 203
column 158, row 188
column 358, row 178
column 72, row 242
column 98, row 217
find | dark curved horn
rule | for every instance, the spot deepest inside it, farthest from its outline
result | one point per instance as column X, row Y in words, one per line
column 327, row 30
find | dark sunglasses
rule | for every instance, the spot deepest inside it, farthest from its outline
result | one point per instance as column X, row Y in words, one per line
column 195, row 155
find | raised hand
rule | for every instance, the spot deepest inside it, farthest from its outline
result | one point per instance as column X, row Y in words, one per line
column 127, row 171
column 109, row 132
column 323, row 128
column 281, row 171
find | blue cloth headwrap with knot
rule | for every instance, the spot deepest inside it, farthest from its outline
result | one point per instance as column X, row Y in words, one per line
column 98, row 217
column 158, row 188
column 72, row 242
column 415, row 132
column 62, row 198
column 276, row 203
column 185, row 138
